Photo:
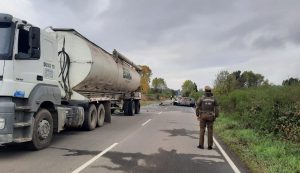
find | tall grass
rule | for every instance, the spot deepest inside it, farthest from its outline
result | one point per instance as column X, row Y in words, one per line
column 263, row 126
column 269, row 110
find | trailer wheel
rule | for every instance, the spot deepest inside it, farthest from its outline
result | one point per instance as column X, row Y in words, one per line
column 107, row 107
column 125, row 107
column 137, row 107
column 90, row 118
column 42, row 130
column 100, row 115
column 129, row 107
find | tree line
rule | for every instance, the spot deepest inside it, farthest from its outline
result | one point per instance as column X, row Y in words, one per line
column 158, row 87
column 155, row 89
column 224, row 83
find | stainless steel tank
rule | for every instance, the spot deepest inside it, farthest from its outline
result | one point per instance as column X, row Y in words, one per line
column 93, row 70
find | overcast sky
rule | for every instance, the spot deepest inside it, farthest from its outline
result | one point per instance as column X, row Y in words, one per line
column 180, row 40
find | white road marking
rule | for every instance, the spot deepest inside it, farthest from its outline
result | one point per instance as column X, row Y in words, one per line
column 146, row 122
column 94, row 159
column 193, row 110
column 230, row 162
column 235, row 169
column 159, row 112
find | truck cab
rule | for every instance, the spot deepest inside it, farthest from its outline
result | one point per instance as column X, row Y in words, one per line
column 28, row 78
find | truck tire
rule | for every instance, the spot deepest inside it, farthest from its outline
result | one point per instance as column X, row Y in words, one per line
column 42, row 130
column 129, row 107
column 100, row 115
column 125, row 107
column 137, row 107
column 107, row 107
column 90, row 118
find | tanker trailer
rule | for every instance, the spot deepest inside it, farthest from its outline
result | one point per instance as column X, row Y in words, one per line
column 56, row 78
column 96, row 75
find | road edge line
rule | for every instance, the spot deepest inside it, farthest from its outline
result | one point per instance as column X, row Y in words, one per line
column 86, row 164
column 230, row 162
column 146, row 122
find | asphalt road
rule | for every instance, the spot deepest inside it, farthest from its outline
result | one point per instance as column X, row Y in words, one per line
column 161, row 139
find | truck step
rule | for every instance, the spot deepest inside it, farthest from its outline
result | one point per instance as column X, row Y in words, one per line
column 22, row 124
column 20, row 140
column 23, row 108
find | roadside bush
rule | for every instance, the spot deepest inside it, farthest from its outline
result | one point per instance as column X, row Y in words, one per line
column 269, row 109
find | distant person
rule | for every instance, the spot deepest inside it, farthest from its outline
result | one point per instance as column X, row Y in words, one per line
column 206, row 111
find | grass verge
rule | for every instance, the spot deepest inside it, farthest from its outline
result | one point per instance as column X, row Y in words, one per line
column 261, row 153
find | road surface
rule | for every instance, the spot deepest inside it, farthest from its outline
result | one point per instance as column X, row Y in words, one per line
column 162, row 139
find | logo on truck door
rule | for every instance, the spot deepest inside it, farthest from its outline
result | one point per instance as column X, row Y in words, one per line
column 126, row 74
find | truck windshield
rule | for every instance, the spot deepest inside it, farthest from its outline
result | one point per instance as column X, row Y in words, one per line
column 5, row 40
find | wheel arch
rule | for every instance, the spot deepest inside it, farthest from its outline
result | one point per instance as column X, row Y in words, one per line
column 44, row 95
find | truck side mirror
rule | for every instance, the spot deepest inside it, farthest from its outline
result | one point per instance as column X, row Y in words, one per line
column 34, row 42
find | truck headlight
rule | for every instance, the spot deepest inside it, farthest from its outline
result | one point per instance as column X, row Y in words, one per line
column 2, row 123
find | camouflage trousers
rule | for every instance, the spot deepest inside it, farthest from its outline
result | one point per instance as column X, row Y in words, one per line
column 206, row 120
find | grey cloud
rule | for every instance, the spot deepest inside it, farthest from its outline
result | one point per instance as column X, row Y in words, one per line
column 145, row 22
column 273, row 24
column 186, row 36
column 264, row 42
column 294, row 33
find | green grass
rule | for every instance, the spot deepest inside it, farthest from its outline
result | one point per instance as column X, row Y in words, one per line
column 260, row 152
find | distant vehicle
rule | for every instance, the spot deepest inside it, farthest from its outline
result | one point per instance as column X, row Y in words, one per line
column 184, row 101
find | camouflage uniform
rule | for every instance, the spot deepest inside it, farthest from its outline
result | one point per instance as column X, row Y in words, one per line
column 207, row 111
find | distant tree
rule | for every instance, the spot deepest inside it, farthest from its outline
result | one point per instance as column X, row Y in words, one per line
column 159, row 85
column 227, row 82
column 188, row 87
column 291, row 81
column 196, row 94
column 239, row 80
column 251, row 79
column 145, row 78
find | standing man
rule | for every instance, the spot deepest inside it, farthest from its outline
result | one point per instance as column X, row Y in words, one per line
column 206, row 112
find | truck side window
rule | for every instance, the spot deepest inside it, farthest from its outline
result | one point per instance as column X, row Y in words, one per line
column 23, row 44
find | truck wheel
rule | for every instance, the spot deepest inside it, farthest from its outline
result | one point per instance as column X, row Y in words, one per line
column 100, row 115
column 90, row 118
column 137, row 107
column 42, row 130
column 131, row 108
column 125, row 107
column 107, row 107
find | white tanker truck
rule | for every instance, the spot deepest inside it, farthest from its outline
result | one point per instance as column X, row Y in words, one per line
column 56, row 78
